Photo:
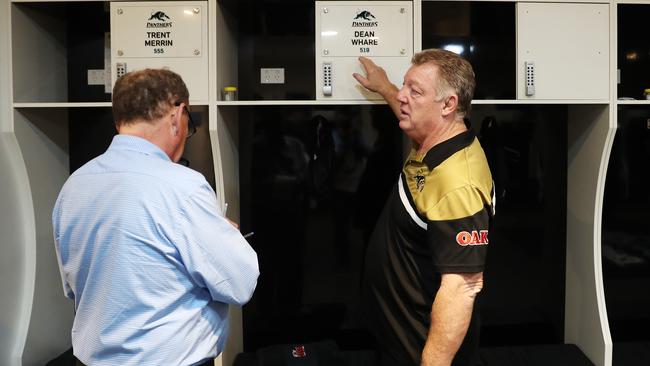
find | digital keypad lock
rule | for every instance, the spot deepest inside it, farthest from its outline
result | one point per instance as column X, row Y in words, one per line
column 327, row 79
column 120, row 69
column 530, row 78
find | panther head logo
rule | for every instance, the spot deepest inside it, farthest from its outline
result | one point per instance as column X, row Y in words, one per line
column 419, row 182
column 159, row 15
column 364, row 14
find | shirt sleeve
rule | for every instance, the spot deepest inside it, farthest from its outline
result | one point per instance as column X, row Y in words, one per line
column 67, row 290
column 459, row 244
column 215, row 254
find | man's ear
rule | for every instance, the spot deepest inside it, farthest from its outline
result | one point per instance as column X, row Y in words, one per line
column 451, row 103
column 175, row 122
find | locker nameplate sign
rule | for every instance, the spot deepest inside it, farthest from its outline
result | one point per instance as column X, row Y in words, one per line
column 372, row 29
column 145, row 30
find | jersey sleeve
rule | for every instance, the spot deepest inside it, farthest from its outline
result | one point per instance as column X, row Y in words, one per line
column 458, row 232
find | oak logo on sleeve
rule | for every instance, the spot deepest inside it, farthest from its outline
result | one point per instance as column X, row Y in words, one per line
column 475, row 237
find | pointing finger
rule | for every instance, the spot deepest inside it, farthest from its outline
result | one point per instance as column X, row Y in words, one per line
column 362, row 80
column 366, row 63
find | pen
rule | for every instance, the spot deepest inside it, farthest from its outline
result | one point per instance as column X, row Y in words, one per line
column 249, row 234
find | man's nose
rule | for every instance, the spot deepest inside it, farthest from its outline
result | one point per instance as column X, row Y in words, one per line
column 401, row 95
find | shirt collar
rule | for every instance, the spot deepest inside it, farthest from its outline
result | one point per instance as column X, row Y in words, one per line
column 135, row 143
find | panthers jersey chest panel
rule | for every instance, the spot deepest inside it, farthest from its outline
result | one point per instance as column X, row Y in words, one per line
column 448, row 193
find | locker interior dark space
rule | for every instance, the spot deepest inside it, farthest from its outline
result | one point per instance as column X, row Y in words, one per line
column 306, row 192
column 633, row 51
column 625, row 237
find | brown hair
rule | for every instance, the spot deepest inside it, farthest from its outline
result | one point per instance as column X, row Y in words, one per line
column 147, row 95
column 455, row 75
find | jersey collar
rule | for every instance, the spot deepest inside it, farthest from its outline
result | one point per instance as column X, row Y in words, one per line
column 445, row 149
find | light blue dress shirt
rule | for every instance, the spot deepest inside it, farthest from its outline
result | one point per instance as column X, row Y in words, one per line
column 148, row 258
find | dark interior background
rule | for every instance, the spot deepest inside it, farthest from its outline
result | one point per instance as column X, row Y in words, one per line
column 313, row 180
column 625, row 238
column 625, row 242
column 310, row 287
column 485, row 32
column 87, row 23
column 633, row 50
column 275, row 34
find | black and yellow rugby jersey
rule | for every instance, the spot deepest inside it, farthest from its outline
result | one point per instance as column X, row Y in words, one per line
column 435, row 221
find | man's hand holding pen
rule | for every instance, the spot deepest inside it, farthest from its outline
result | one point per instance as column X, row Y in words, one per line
column 236, row 225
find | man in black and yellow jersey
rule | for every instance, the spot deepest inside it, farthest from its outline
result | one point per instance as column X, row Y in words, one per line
column 425, row 260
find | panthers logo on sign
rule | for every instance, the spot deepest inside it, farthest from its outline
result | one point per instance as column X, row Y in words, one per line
column 364, row 14
column 159, row 15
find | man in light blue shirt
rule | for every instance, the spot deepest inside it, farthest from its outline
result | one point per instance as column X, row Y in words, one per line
column 143, row 247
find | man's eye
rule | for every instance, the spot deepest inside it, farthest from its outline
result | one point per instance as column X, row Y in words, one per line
column 415, row 93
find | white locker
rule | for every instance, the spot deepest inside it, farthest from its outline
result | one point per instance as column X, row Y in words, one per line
column 562, row 51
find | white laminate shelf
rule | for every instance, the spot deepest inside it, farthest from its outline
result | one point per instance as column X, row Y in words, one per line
column 633, row 102
column 55, row 1
column 64, row 105
column 632, row 2
column 244, row 103
column 537, row 1
column 297, row 102
column 539, row 101
column 76, row 104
